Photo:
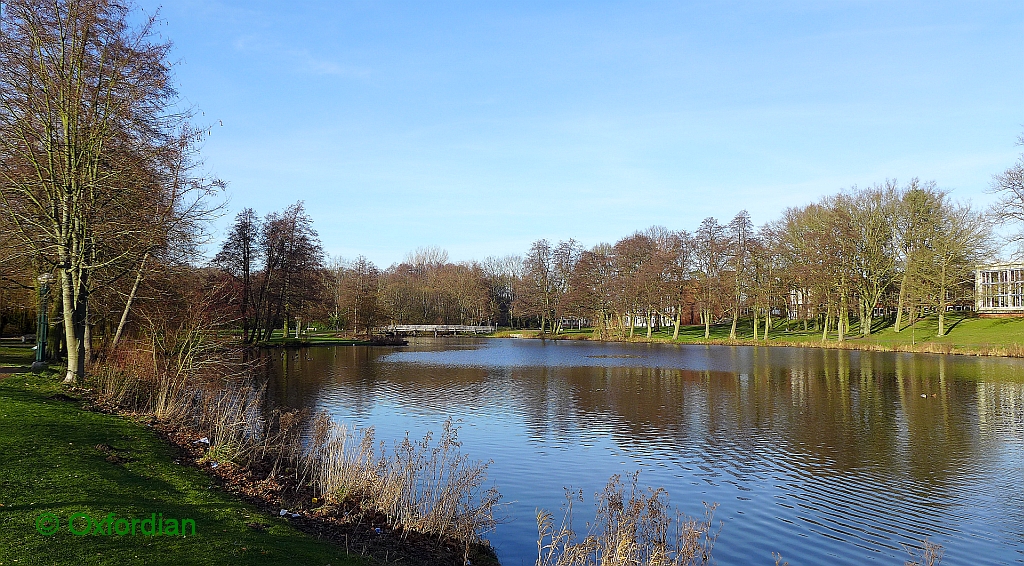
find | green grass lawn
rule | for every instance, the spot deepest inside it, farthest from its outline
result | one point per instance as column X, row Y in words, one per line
column 17, row 355
column 961, row 332
column 50, row 464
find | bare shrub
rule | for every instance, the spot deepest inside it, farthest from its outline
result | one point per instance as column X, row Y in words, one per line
column 119, row 380
column 282, row 444
column 634, row 528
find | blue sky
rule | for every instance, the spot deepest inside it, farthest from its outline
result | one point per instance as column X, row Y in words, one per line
column 482, row 126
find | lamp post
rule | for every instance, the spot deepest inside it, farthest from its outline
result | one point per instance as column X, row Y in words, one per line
column 42, row 324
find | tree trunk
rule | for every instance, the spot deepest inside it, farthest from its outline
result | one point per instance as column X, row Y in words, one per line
column 735, row 319
column 707, row 324
column 942, row 301
column 867, row 319
column 75, row 299
column 899, row 304
column 767, row 322
column 128, row 304
column 679, row 315
column 755, row 323
column 87, row 338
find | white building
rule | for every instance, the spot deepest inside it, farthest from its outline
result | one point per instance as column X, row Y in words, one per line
column 999, row 289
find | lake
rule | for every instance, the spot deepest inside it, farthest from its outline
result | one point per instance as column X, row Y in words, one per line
column 825, row 456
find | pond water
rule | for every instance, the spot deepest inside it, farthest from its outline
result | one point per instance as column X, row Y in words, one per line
column 825, row 456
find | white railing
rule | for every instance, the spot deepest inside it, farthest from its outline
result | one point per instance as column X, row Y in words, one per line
column 439, row 329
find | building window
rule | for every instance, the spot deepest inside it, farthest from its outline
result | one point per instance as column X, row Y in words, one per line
column 1001, row 288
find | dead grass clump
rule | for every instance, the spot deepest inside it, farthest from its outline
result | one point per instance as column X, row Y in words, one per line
column 233, row 420
column 423, row 486
column 634, row 528
column 338, row 465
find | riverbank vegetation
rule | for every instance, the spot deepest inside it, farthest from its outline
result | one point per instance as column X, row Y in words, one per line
column 61, row 459
column 965, row 335
column 199, row 389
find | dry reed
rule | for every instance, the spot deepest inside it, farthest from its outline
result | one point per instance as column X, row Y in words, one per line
column 637, row 527
column 421, row 486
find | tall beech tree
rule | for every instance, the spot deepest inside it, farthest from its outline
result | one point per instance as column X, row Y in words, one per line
column 86, row 104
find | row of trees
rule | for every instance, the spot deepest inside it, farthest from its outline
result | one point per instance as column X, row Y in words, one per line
column 892, row 250
column 897, row 250
column 275, row 266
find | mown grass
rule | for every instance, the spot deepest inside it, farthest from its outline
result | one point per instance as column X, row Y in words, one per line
column 964, row 334
column 51, row 463
column 16, row 355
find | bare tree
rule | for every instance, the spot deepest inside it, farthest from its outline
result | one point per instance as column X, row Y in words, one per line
column 636, row 276
column 361, row 289
column 592, row 289
column 711, row 253
column 1009, row 209
column 876, row 260
column 538, row 283
column 85, row 106
column 919, row 214
column 678, row 274
column 957, row 243
column 240, row 256
column 741, row 235
column 292, row 262
column 501, row 276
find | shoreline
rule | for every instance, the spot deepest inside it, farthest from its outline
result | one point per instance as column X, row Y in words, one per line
column 161, row 453
column 1006, row 350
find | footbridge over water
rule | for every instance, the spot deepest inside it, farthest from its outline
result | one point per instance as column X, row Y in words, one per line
column 436, row 329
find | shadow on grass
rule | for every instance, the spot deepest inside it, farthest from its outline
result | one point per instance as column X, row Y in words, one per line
column 56, row 461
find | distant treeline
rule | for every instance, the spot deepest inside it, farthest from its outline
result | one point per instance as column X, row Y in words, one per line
column 893, row 250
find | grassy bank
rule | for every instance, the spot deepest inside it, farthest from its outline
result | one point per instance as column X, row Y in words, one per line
column 15, row 356
column 63, row 460
column 965, row 335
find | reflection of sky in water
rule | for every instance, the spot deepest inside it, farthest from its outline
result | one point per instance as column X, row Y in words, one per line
column 824, row 456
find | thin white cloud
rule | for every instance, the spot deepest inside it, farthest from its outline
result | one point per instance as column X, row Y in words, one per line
column 301, row 60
